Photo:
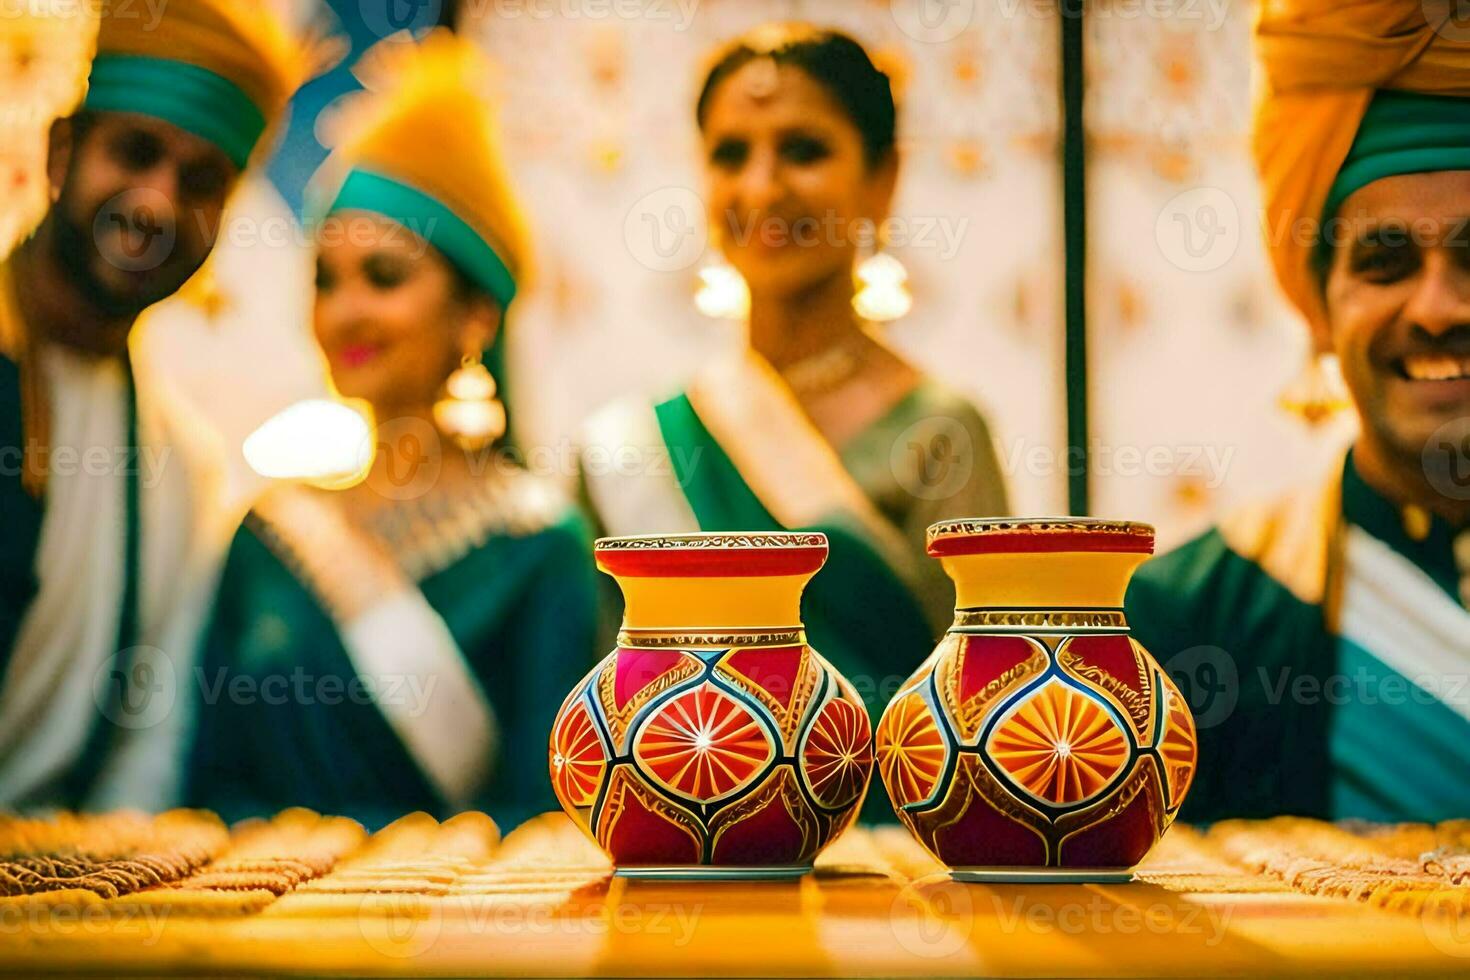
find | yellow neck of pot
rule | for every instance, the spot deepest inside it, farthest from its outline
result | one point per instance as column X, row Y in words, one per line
column 750, row 602
column 1050, row 580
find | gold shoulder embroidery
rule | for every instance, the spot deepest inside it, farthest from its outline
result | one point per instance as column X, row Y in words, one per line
column 1291, row 537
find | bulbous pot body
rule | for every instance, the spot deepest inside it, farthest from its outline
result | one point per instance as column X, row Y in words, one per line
column 713, row 742
column 1039, row 740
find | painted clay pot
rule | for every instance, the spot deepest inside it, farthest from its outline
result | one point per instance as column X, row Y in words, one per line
column 713, row 742
column 1039, row 740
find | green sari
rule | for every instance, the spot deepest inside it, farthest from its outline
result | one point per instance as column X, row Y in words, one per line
column 318, row 718
column 735, row 452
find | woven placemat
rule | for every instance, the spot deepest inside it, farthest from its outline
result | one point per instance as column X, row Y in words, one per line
column 300, row 863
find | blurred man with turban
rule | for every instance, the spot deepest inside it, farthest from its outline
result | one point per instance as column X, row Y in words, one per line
column 99, row 558
column 1325, row 638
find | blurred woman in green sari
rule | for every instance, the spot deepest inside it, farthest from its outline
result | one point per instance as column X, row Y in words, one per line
column 403, row 644
column 816, row 423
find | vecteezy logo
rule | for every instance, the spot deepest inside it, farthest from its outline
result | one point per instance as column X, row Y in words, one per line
column 933, row 458
column 135, row 688
column 411, row 457
column 1209, row 681
column 1445, row 925
column 399, row 925
column 135, row 230
column 932, row 916
column 666, row 230
column 933, row 21
column 1451, row 18
column 1199, row 230
column 385, row 17
column 1446, row 459
column 134, row 697
column 1457, row 462
column 401, row 13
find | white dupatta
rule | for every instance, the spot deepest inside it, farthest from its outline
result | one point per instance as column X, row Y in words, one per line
column 390, row 631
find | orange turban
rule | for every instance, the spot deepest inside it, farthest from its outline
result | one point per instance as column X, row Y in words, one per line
column 1321, row 62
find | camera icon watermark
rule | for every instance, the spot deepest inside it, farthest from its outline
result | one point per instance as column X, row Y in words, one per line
column 1209, row 681
column 409, row 458
column 1199, row 230
column 135, row 231
column 1449, row 18
column 932, row 21
column 934, row 458
column 136, row 687
column 399, row 925
column 1446, row 459
column 666, row 230
column 1445, row 925
column 932, row 916
column 387, row 17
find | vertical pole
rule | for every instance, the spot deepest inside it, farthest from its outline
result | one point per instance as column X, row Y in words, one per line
column 1074, row 232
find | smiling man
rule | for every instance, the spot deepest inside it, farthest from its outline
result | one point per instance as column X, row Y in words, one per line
column 100, row 553
column 1324, row 639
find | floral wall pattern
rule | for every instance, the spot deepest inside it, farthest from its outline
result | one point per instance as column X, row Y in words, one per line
column 1190, row 345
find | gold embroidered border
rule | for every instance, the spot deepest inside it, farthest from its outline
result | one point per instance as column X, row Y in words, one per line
column 1091, row 619
column 713, row 639
column 733, row 542
column 1040, row 526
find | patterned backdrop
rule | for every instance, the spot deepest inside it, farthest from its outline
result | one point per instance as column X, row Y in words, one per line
column 1190, row 343
column 599, row 121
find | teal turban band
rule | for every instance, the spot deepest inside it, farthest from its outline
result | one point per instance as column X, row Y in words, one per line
column 433, row 221
column 1403, row 133
column 195, row 99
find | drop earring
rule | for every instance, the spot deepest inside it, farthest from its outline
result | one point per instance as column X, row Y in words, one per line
column 1318, row 393
column 722, row 293
column 468, row 411
column 882, row 283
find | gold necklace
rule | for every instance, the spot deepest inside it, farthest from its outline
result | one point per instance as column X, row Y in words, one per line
column 826, row 370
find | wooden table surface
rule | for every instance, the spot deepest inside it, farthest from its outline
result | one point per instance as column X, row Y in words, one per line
column 544, row 903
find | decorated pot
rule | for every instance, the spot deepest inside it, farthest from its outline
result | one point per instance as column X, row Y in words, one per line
column 1039, row 740
column 713, row 742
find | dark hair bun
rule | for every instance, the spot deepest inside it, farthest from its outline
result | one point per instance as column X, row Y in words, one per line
column 835, row 60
